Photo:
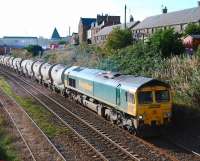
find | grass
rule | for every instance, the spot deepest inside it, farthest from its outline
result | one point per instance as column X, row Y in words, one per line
column 37, row 112
column 7, row 150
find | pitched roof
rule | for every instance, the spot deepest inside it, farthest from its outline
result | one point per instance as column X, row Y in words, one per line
column 88, row 21
column 55, row 34
column 108, row 29
column 19, row 37
column 173, row 18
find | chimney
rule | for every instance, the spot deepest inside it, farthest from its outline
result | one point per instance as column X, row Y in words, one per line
column 131, row 18
column 198, row 3
column 164, row 10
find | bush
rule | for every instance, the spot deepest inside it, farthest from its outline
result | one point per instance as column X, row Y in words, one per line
column 62, row 42
column 36, row 50
column 192, row 29
column 167, row 41
column 119, row 38
column 137, row 60
column 183, row 73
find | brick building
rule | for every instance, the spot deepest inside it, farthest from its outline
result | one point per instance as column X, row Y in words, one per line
column 83, row 27
column 103, row 21
column 88, row 27
column 102, row 35
column 74, row 39
column 177, row 20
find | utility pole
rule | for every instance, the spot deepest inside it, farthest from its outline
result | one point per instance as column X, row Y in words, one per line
column 125, row 17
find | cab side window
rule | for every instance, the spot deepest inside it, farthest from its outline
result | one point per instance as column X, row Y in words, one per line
column 129, row 97
column 72, row 82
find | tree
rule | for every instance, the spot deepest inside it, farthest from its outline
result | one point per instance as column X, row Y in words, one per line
column 192, row 29
column 35, row 50
column 168, row 42
column 62, row 42
column 119, row 38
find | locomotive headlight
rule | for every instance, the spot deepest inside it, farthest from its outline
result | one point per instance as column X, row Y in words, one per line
column 167, row 114
column 141, row 117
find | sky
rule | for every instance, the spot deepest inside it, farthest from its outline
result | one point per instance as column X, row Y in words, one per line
column 40, row 17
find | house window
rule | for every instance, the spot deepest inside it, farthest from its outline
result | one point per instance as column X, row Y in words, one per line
column 72, row 82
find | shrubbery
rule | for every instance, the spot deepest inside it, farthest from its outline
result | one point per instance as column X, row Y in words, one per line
column 192, row 29
column 168, row 42
column 36, row 50
column 119, row 38
column 137, row 60
column 183, row 73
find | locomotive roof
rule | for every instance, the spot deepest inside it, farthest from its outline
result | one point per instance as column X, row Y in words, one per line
column 130, row 82
column 127, row 82
column 85, row 73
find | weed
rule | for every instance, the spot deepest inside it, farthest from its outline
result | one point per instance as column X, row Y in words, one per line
column 37, row 112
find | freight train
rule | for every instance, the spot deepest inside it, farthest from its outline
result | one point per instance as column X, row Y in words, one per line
column 138, row 104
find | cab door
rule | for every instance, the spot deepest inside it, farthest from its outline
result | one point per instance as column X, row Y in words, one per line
column 118, row 91
column 131, row 103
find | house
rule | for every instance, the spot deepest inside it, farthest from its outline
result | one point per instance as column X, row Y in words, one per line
column 83, row 27
column 191, row 41
column 177, row 20
column 88, row 27
column 102, row 35
column 101, row 22
column 74, row 39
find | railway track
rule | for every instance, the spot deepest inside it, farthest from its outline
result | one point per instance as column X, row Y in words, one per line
column 108, row 146
column 37, row 143
column 102, row 145
column 172, row 141
column 175, row 149
column 127, row 147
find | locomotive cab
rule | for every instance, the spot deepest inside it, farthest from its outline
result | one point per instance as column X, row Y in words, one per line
column 154, row 106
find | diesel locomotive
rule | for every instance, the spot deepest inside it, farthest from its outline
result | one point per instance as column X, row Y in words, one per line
column 138, row 104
